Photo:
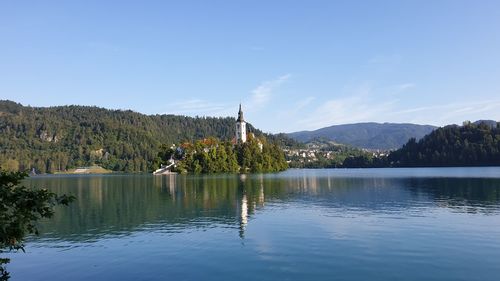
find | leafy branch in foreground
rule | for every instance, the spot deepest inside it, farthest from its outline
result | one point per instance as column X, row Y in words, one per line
column 20, row 208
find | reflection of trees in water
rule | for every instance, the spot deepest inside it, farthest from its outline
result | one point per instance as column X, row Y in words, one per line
column 382, row 194
column 117, row 204
column 471, row 195
column 120, row 204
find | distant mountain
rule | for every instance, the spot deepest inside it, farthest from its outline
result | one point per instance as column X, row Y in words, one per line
column 490, row 123
column 367, row 135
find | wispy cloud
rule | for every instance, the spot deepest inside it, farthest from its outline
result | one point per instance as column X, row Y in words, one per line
column 405, row 86
column 363, row 108
column 450, row 113
column 358, row 106
column 293, row 111
column 304, row 102
column 346, row 110
column 396, row 89
column 262, row 94
column 258, row 97
column 197, row 107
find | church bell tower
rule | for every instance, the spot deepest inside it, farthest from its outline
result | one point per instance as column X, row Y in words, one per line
column 241, row 128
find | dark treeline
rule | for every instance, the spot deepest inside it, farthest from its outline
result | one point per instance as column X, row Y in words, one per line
column 59, row 138
column 473, row 144
column 213, row 156
column 467, row 145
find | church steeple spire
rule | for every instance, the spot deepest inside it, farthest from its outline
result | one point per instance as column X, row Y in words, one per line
column 240, row 115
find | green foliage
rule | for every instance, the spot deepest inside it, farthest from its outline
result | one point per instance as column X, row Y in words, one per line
column 474, row 144
column 214, row 156
column 64, row 137
column 257, row 155
column 283, row 140
column 20, row 209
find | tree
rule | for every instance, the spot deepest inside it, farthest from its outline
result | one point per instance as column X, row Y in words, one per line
column 213, row 156
column 20, row 209
column 474, row 144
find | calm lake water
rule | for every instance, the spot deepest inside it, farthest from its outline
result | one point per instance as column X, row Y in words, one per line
column 354, row 224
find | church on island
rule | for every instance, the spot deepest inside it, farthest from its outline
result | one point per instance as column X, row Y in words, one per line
column 243, row 153
column 241, row 128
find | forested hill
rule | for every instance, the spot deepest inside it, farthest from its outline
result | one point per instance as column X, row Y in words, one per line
column 58, row 138
column 367, row 135
column 474, row 144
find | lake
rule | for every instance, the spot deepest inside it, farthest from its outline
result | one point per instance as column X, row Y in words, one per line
column 331, row 224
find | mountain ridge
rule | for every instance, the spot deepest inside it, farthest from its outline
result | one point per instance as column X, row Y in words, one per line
column 368, row 135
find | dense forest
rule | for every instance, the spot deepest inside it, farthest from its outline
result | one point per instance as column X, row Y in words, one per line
column 213, row 156
column 473, row 144
column 59, row 138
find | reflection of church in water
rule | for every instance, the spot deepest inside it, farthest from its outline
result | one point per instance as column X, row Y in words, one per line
column 236, row 197
column 249, row 202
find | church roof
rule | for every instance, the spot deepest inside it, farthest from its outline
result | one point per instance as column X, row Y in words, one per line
column 240, row 115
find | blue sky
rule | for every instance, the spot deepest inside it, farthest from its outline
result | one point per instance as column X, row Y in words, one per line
column 295, row 65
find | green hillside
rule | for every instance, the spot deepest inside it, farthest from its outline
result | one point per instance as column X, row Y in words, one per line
column 474, row 144
column 64, row 137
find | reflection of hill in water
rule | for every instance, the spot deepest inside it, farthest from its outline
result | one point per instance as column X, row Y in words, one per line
column 472, row 195
column 121, row 204
column 382, row 194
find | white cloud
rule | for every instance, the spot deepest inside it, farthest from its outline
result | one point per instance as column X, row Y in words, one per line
column 200, row 107
column 304, row 102
column 346, row 110
column 405, row 86
column 262, row 94
column 451, row 113
column 286, row 115
column 358, row 106
column 363, row 108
